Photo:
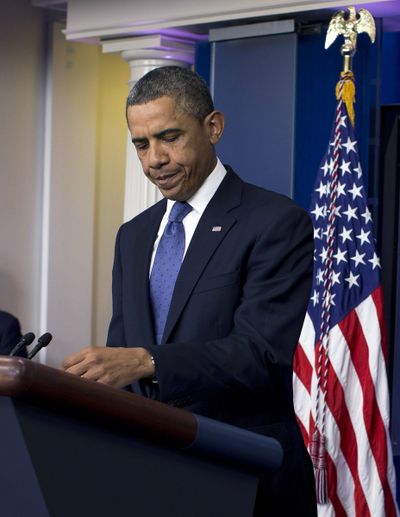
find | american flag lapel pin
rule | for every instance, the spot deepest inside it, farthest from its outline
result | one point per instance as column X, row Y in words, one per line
column 216, row 228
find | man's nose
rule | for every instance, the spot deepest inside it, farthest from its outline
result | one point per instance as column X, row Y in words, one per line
column 157, row 156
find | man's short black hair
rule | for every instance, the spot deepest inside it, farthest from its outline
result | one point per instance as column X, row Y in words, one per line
column 189, row 90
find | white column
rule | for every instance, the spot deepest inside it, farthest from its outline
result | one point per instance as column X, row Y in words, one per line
column 143, row 55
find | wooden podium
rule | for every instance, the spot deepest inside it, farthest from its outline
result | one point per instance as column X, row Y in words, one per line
column 74, row 448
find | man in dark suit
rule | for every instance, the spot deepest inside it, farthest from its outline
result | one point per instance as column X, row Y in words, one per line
column 10, row 334
column 215, row 335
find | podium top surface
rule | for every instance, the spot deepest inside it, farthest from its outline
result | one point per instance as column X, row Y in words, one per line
column 44, row 385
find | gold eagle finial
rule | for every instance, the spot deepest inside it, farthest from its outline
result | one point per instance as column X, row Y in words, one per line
column 349, row 28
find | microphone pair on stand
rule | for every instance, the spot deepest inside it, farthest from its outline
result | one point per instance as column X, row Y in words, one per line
column 27, row 339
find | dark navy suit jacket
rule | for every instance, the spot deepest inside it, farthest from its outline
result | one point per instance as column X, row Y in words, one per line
column 234, row 321
column 10, row 334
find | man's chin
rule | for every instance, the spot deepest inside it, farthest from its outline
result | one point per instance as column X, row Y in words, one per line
column 173, row 195
column 179, row 191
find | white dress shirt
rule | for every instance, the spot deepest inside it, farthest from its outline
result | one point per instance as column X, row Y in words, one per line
column 198, row 202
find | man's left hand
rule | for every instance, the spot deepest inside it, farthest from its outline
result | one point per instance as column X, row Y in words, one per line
column 116, row 367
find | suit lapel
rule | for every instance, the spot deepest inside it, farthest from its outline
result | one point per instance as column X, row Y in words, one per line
column 140, row 281
column 204, row 244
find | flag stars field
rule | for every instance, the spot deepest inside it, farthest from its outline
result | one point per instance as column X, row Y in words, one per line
column 335, row 278
column 329, row 299
column 341, row 189
column 358, row 258
column 337, row 211
column 319, row 211
column 325, row 168
column 340, row 256
column 356, row 191
column 324, row 255
column 363, row 236
column 320, row 276
column 316, row 233
column 350, row 145
column 358, row 171
column 346, row 234
column 315, row 297
column 367, row 216
column 322, row 189
column 332, row 144
column 351, row 213
column 352, row 280
column 345, row 167
column 375, row 261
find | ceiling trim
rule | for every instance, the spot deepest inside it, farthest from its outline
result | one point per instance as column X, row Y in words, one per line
column 81, row 26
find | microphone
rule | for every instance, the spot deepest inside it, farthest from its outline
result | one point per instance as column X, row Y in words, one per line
column 26, row 340
column 42, row 342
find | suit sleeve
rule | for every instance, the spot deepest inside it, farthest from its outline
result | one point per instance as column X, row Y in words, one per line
column 10, row 335
column 116, row 333
column 251, row 360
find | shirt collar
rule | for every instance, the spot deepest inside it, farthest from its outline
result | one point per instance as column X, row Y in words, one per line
column 202, row 197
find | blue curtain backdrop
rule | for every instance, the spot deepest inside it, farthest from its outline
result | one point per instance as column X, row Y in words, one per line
column 254, row 81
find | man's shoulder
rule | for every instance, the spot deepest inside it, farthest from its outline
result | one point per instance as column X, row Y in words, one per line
column 10, row 331
column 7, row 319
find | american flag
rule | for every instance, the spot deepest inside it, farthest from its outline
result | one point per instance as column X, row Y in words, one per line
column 340, row 387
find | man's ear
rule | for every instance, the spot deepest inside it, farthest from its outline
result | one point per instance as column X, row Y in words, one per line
column 214, row 122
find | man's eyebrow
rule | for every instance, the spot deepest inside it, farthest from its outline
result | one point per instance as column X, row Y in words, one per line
column 138, row 140
column 159, row 136
column 168, row 131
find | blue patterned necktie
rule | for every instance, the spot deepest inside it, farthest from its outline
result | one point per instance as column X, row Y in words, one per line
column 167, row 263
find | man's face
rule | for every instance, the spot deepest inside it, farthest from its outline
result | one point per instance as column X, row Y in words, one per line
column 175, row 148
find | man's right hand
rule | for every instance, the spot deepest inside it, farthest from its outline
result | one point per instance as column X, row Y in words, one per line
column 116, row 367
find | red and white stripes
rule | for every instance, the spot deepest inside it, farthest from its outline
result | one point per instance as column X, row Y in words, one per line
column 360, row 470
